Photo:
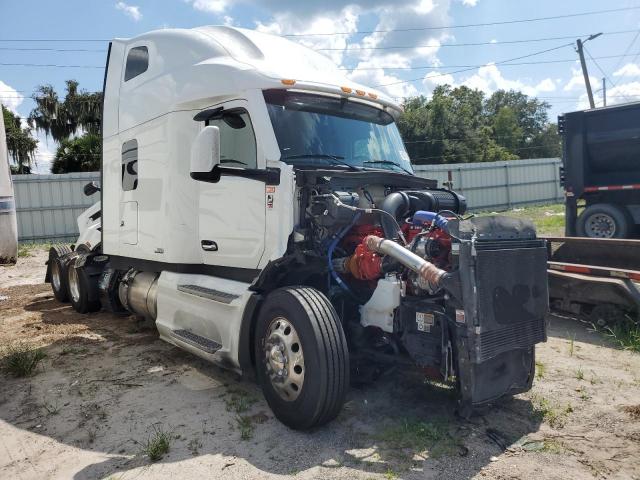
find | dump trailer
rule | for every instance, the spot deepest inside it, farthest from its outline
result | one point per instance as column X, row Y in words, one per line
column 601, row 171
column 262, row 210
column 8, row 221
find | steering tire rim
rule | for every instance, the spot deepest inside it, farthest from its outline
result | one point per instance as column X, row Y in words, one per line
column 284, row 359
column 74, row 284
column 600, row 225
column 56, row 275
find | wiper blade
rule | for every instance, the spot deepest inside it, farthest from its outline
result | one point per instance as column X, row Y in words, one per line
column 389, row 162
column 335, row 159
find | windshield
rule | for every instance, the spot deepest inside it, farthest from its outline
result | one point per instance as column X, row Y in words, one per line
column 314, row 130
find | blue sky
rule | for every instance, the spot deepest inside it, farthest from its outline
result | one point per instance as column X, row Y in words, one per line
column 366, row 56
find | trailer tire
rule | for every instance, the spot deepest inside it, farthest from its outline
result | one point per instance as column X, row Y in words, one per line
column 83, row 293
column 57, row 272
column 603, row 220
column 302, row 360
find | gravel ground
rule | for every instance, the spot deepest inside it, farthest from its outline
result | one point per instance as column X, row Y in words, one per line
column 108, row 387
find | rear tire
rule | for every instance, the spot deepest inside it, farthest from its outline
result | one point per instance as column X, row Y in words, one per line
column 83, row 294
column 603, row 220
column 302, row 360
column 57, row 273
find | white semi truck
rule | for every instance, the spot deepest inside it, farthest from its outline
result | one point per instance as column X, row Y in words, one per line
column 8, row 221
column 262, row 209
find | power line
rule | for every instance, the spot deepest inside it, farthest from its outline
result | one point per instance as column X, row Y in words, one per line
column 412, row 29
column 470, row 44
column 599, row 67
column 469, row 25
column 473, row 68
column 48, row 65
column 21, row 49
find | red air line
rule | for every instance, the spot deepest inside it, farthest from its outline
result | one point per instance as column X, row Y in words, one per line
column 613, row 187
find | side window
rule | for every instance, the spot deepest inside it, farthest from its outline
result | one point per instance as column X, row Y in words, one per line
column 130, row 165
column 137, row 62
column 237, row 140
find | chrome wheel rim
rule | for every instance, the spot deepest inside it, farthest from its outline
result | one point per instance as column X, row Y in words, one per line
column 601, row 225
column 74, row 287
column 55, row 275
column 284, row 359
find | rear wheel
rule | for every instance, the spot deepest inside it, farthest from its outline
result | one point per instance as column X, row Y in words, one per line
column 83, row 293
column 302, row 360
column 603, row 220
column 58, row 271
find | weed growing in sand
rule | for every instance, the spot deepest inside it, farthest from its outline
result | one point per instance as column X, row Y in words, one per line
column 552, row 413
column 71, row 350
column 238, row 401
column 572, row 341
column 540, row 370
column 51, row 408
column 390, row 474
column 194, row 446
column 21, row 360
column 579, row 374
column 420, row 436
column 626, row 333
column 157, row 444
column 245, row 425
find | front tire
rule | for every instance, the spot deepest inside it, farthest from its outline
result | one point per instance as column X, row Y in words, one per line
column 302, row 360
column 82, row 292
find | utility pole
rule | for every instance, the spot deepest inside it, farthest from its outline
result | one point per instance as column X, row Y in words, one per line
column 604, row 92
column 585, row 73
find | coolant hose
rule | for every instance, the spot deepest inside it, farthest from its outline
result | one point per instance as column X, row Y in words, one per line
column 422, row 216
column 332, row 247
column 427, row 270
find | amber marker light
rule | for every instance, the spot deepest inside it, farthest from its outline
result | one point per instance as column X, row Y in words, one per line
column 373, row 95
column 346, row 89
column 288, row 81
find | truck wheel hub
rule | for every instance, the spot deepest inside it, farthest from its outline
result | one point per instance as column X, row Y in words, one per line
column 601, row 225
column 74, row 287
column 284, row 359
column 55, row 275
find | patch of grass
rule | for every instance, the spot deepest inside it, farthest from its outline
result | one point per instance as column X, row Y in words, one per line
column 194, row 446
column 245, row 425
column 626, row 334
column 21, row 359
column 579, row 374
column 390, row 474
column 572, row 340
column 540, row 370
column 157, row 444
column 419, row 436
column 552, row 413
column 238, row 401
column 51, row 408
column 552, row 446
column 26, row 249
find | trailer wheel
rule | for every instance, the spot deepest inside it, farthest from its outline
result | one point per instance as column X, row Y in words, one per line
column 603, row 220
column 57, row 272
column 82, row 296
column 302, row 361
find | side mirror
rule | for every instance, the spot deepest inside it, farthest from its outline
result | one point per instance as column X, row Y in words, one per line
column 91, row 188
column 205, row 150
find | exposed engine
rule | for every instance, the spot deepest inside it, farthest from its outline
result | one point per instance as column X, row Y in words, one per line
column 465, row 298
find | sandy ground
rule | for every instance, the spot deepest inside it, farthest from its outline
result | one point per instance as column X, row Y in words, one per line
column 108, row 383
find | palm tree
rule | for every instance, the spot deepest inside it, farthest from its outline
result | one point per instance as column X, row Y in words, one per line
column 80, row 111
column 20, row 142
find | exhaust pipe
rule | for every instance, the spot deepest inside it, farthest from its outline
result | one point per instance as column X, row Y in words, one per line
column 427, row 270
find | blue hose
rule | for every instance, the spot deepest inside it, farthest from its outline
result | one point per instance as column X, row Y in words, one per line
column 332, row 247
column 422, row 216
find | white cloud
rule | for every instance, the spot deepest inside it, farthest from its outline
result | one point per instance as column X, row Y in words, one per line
column 131, row 11
column 629, row 70
column 369, row 73
column 469, row 3
column 10, row 97
column 576, row 82
column 210, row 6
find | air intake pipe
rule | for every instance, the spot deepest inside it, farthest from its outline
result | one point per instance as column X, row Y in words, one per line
column 427, row 270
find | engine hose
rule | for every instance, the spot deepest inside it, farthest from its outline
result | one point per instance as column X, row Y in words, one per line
column 332, row 247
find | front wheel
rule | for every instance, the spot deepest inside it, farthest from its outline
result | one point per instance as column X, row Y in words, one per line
column 301, row 354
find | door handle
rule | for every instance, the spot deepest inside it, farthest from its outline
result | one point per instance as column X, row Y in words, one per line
column 209, row 245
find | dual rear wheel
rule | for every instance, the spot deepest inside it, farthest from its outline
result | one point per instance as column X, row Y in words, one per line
column 70, row 282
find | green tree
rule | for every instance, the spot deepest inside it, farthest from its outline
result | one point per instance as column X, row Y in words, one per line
column 81, row 154
column 459, row 125
column 74, row 123
column 20, row 142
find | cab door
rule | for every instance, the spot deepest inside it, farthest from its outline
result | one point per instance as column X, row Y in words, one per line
column 231, row 214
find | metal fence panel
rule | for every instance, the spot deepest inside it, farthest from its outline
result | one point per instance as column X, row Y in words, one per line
column 48, row 206
column 501, row 185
